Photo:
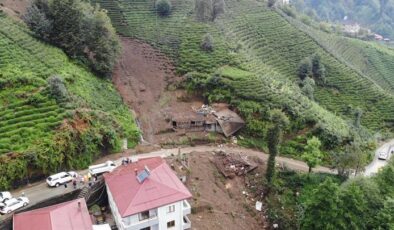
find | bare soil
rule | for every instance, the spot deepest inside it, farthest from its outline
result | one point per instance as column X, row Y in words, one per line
column 218, row 202
column 147, row 82
column 15, row 8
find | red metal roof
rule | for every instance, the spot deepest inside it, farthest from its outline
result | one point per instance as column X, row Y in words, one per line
column 64, row 216
column 160, row 188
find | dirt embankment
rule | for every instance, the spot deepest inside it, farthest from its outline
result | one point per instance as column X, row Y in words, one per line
column 146, row 80
column 218, row 202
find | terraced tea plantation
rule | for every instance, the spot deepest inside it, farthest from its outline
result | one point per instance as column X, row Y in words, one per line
column 179, row 35
column 370, row 59
column 280, row 45
column 267, row 45
column 28, row 114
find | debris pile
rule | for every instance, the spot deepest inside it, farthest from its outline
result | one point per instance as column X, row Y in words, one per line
column 204, row 110
column 231, row 165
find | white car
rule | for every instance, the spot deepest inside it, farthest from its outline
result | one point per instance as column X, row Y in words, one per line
column 383, row 156
column 102, row 168
column 61, row 178
column 4, row 196
column 13, row 204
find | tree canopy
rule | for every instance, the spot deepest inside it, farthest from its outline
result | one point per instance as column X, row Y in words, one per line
column 312, row 155
column 81, row 30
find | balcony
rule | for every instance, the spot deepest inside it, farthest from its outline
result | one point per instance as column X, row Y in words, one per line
column 141, row 220
column 186, row 208
column 186, row 223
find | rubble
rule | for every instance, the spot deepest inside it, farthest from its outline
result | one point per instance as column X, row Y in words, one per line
column 231, row 165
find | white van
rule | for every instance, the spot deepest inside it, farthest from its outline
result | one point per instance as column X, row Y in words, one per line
column 102, row 168
column 61, row 178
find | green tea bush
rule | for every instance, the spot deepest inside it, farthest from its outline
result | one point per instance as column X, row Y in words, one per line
column 163, row 7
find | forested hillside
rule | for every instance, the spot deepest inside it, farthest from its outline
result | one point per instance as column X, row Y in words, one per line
column 54, row 113
column 375, row 14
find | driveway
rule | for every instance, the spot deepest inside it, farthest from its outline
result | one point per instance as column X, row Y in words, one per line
column 376, row 164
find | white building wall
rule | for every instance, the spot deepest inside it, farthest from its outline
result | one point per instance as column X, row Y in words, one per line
column 165, row 216
column 160, row 217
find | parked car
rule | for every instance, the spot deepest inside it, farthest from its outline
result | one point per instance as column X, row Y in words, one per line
column 383, row 156
column 102, row 168
column 61, row 178
column 13, row 204
column 4, row 196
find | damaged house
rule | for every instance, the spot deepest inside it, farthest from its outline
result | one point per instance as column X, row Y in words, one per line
column 218, row 118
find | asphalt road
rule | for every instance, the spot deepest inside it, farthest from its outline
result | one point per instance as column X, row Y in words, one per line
column 376, row 164
column 39, row 191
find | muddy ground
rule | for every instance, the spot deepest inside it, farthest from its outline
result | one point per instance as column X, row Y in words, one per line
column 218, row 202
column 147, row 82
column 15, row 8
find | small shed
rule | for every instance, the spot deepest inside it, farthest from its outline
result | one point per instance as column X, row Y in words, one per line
column 191, row 121
column 229, row 121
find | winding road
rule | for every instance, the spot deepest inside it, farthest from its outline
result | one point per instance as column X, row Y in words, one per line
column 39, row 191
column 376, row 164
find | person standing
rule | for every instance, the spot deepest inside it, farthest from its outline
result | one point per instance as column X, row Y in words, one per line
column 75, row 183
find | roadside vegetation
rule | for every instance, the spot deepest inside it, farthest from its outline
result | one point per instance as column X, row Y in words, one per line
column 55, row 114
column 322, row 201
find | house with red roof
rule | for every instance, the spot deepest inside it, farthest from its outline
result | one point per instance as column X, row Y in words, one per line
column 64, row 216
column 148, row 195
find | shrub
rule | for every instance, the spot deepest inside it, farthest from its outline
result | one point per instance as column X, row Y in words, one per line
column 305, row 69
column 207, row 43
column 204, row 10
column 57, row 88
column 218, row 8
column 289, row 11
column 163, row 7
column 271, row 3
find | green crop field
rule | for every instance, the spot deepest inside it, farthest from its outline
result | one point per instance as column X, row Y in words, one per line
column 262, row 41
column 373, row 60
column 28, row 114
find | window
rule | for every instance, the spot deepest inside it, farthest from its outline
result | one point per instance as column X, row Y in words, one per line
column 144, row 215
column 147, row 228
column 171, row 208
column 171, row 224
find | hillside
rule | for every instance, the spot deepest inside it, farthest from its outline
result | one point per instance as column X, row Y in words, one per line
column 375, row 14
column 44, row 132
column 370, row 59
column 260, row 41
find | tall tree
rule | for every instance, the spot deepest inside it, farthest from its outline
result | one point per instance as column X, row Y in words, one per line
column 82, row 31
column 386, row 215
column 353, row 206
column 274, row 135
column 357, row 117
column 305, row 69
column 312, row 154
column 322, row 208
